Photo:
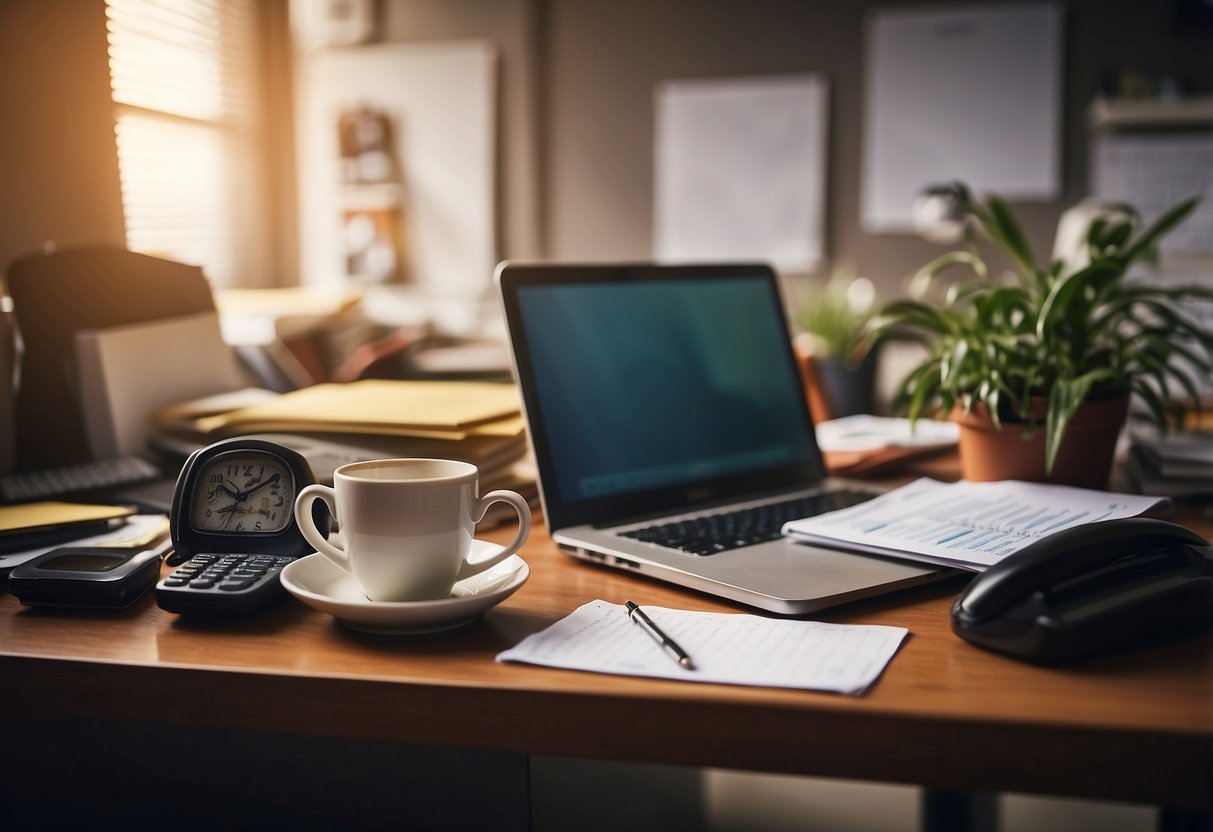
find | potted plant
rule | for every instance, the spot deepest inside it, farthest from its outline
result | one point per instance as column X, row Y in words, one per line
column 1057, row 347
column 832, row 317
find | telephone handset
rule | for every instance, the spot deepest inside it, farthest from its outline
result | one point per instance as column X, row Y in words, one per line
column 1089, row 590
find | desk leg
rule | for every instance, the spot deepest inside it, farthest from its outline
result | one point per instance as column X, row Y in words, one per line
column 1170, row 821
column 944, row 810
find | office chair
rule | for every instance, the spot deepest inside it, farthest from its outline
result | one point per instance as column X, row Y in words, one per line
column 56, row 294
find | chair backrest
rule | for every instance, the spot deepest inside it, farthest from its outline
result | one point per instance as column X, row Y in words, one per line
column 58, row 294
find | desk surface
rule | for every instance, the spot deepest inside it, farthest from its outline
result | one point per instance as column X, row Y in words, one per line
column 1138, row 727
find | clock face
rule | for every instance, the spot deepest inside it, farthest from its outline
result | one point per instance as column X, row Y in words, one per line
column 243, row 492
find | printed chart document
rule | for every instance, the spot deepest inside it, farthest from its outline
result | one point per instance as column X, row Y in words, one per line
column 726, row 649
column 969, row 525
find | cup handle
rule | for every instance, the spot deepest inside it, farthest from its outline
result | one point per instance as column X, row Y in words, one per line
column 303, row 518
column 470, row 568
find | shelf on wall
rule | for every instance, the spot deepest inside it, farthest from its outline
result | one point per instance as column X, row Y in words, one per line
column 1130, row 113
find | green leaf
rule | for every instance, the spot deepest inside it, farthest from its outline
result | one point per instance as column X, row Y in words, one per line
column 923, row 391
column 1062, row 296
column 952, row 369
column 945, row 261
column 1158, row 411
column 1065, row 398
column 1114, row 238
column 1001, row 224
column 1095, row 234
column 1161, row 226
column 1185, row 380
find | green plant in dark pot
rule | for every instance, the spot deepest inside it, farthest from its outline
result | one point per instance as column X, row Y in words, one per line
column 1056, row 346
column 833, row 316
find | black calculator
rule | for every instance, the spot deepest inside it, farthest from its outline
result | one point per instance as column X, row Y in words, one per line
column 218, row 583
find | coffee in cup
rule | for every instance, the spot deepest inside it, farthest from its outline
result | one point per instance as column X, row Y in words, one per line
column 407, row 525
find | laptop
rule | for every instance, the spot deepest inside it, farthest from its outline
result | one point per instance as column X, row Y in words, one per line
column 669, row 423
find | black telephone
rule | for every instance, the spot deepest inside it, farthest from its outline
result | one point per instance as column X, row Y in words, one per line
column 1090, row 590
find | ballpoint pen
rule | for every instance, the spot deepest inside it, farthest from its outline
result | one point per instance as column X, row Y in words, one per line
column 669, row 645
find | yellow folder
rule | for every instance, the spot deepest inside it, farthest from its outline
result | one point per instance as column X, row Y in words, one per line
column 29, row 517
column 442, row 409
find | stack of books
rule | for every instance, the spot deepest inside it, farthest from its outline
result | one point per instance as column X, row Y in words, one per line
column 1174, row 464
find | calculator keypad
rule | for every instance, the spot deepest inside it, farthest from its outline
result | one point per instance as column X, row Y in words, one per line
column 226, row 572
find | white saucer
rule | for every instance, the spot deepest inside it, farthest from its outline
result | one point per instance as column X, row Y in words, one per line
column 318, row 582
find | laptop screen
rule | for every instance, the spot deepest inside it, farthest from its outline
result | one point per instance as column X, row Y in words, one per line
column 648, row 388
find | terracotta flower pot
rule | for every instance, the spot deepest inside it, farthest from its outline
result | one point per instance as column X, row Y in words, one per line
column 1084, row 458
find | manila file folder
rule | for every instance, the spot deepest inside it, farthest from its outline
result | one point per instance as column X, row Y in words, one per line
column 438, row 409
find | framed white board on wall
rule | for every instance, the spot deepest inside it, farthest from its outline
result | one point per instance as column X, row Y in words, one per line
column 740, row 170
column 971, row 94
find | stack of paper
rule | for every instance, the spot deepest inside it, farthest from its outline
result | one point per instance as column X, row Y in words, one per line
column 428, row 409
column 477, row 422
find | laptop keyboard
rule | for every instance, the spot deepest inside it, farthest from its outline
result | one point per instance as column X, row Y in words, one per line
column 711, row 534
column 74, row 479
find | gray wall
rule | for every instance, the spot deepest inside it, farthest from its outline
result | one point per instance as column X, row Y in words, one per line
column 577, row 102
column 601, row 60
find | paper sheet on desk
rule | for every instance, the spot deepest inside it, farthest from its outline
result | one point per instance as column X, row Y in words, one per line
column 727, row 649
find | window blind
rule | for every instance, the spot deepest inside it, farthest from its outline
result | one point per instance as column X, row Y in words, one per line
column 181, row 72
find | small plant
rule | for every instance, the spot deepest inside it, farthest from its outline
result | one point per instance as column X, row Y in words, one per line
column 835, row 314
column 1069, row 336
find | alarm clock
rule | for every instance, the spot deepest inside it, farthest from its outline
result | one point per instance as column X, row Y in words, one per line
column 232, row 522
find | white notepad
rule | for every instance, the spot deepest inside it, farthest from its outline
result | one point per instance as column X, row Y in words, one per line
column 129, row 372
column 726, row 649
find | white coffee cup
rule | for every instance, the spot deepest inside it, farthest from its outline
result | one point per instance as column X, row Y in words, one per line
column 407, row 525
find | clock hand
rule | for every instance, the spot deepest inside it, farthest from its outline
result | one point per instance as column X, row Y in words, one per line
column 244, row 495
column 229, row 490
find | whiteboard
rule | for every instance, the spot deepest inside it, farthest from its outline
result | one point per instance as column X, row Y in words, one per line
column 739, row 170
column 970, row 94
column 442, row 99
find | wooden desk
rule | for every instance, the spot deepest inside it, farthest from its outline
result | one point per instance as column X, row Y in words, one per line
column 1133, row 728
